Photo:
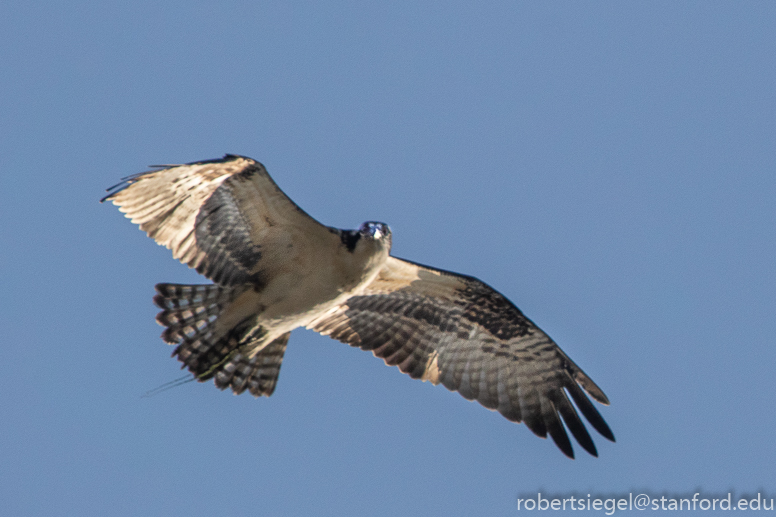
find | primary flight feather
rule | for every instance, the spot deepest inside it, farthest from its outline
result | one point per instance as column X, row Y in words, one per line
column 275, row 268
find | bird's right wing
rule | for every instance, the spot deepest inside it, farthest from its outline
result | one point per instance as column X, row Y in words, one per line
column 225, row 218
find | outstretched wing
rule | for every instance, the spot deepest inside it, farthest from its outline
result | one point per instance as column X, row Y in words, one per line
column 225, row 218
column 454, row 329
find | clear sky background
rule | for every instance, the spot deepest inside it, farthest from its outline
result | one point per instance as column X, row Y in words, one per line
column 609, row 166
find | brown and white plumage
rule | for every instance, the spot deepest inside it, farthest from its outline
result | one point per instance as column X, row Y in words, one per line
column 275, row 268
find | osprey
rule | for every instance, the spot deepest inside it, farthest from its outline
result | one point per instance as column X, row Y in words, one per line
column 275, row 268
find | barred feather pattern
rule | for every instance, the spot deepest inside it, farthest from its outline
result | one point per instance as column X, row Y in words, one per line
column 190, row 313
column 472, row 340
column 258, row 374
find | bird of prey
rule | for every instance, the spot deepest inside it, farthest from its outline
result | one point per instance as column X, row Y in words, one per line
column 274, row 268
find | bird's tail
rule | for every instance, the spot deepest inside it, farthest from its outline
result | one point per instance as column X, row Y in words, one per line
column 199, row 319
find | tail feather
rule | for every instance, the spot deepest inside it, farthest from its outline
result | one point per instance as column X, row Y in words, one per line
column 189, row 310
column 257, row 374
column 190, row 314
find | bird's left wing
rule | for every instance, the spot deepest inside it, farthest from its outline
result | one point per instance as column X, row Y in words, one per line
column 454, row 329
column 226, row 218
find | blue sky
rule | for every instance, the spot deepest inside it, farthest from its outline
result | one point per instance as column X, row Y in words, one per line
column 608, row 166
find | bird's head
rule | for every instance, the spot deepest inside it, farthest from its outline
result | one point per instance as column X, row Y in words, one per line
column 372, row 230
column 372, row 238
column 366, row 249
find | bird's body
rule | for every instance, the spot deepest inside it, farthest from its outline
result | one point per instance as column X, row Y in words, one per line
column 275, row 269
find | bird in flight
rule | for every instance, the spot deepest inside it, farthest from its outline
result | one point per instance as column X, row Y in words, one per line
column 274, row 268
